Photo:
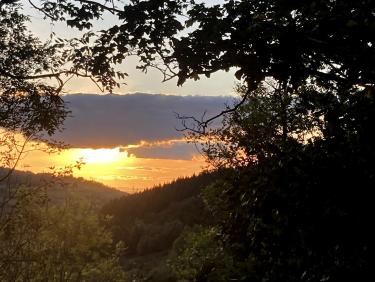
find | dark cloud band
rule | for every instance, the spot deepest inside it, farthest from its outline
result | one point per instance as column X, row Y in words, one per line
column 107, row 121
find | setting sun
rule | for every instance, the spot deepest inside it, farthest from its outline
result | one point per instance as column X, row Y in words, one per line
column 101, row 156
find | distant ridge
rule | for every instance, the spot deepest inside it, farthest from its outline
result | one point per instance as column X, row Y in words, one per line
column 151, row 223
column 59, row 188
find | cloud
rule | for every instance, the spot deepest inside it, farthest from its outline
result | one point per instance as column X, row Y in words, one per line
column 170, row 149
column 139, row 168
column 107, row 121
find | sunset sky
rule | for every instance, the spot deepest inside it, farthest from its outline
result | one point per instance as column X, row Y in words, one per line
column 129, row 140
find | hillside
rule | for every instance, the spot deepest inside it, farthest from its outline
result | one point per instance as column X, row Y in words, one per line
column 151, row 222
column 59, row 188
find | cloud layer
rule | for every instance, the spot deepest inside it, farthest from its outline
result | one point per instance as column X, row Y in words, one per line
column 172, row 149
column 107, row 121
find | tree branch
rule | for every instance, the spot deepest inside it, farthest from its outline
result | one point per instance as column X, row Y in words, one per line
column 112, row 9
column 201, row 125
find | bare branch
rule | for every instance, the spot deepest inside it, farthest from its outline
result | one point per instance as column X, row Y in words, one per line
column 200, row 126
column 16, row 161
column 56, row 75
column 40, row 76
column 42, row 11
column 112, row 10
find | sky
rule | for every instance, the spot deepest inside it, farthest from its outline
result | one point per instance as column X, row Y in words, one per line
column 129, row 139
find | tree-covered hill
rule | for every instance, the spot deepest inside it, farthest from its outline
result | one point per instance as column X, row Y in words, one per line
column 50, row 230
column 151, row 222
column 60, row 188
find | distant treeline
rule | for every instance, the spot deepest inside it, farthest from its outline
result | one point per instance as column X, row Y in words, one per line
column 151, row 222
column 165, row 209
column 59, row 188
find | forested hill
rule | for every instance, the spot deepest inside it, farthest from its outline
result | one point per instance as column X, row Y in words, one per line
column 158, row 199
column 59, row 188
column 150, row 222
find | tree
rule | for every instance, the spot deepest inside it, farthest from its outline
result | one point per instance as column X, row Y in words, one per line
column 292, row 208
column 32, row 77
column 269, row 119
column 287, row 40
column 329, row 45
column 202, row 253
column 295, row 208
column 39, row 242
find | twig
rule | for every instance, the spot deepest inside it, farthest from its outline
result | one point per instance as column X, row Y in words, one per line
column 201, row 125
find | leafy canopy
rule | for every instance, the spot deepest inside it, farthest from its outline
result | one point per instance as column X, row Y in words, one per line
column 328, row 41
column 40, row 242
column 293, row 207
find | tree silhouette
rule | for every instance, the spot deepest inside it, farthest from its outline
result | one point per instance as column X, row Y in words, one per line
column 296, row 205
column 329, row 45
column 287, row 40
column 32, row 77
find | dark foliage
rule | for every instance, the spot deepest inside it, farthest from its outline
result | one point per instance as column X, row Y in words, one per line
column 288, row 40
column 27, row 105
column 151, row 220
column 293, row 209
column 297, row 210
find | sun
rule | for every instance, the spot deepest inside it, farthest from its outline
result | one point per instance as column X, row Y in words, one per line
column 101, row 156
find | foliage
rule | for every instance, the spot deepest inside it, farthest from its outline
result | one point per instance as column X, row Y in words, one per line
column 151, row 222
column 26, row 62
column 32, row 77
column 296, row 209
column 26, row 106
column 329, row 42
column 295, row 203
column 55, row 243
column 59, row 188
column 269, row 118
column 31, row 109
column 202, row 258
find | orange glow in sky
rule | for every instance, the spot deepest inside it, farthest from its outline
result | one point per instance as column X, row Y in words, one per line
column 100, row 156
column 115, row 167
